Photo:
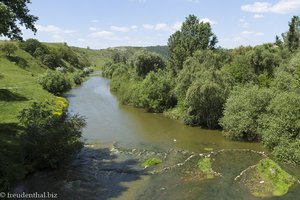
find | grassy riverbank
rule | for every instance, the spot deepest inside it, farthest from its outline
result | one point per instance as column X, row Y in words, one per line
column 19, row 88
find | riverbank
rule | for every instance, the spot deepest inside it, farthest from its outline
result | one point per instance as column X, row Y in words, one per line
column 120, row 139
column 19, row 88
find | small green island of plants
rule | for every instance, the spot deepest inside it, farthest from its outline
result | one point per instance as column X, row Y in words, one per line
column 267, row 179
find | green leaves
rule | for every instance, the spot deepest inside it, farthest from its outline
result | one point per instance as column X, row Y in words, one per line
column 49, row 139
column 192, row 36
column 242, row 110
column 55, row 82
column 12, row 14
column 145, row 61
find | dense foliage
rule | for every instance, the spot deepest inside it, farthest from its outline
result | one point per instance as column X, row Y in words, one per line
column 51, row 135
column 12, row 14
column 193, row 35
column 54, row 57
column 251, row 92
column 55, row 82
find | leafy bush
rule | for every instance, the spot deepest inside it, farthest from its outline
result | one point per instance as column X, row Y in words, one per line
column 8, row 48
column 156, row 92
column 288, row 151
column 242, row 111
column 205, row 104
column 78, row 77
column 145, row 61
column 50, row 137
column 34, row 47
column 281, row 122
column 55, row 82
column 51, row 61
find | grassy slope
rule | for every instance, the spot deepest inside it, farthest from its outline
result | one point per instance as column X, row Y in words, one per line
column 18, row 89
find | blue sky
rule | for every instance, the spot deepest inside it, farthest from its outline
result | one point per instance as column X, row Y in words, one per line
column 110, row 23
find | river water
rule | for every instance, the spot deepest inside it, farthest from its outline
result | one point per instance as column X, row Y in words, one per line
column 120, row 138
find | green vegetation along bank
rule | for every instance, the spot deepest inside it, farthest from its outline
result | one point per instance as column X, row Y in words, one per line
column 33, row 115
column 252, row 93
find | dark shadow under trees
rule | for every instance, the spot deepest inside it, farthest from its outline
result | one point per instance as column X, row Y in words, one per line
column 7, row 95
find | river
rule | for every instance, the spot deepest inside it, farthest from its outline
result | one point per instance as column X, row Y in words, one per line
column 119, row 138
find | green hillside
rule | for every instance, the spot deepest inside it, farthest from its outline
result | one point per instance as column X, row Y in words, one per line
column 19, row 88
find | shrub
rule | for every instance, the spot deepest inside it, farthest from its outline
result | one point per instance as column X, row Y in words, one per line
column 34, row 47
column 51, row 61
column 8, row 48
column 50, row 137
column 77, row 77
column 55, row 82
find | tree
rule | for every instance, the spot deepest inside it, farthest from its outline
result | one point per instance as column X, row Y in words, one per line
column 293, row 35
column 34, row 47
column 55, row 82
column 282, row 119
column 242, row 110
column 156, row 92
column 51, row 61
column 145, row 61
column 264, row 59
column 193, row 35
column 205, row 100
column 9, row 48
column 12, row 14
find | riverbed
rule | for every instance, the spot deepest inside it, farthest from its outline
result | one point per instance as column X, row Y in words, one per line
column 119, row 138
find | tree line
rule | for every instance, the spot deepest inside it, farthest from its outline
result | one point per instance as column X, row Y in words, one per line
column 251, row 93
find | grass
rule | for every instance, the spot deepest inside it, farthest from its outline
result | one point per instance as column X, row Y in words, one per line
column 19, row 88
column 280, row 179
column 151, row 162
column 268, row 179
column 205, row 165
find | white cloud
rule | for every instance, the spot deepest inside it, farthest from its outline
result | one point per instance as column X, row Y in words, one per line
column 102, row 34
column 148, row 26
column 282, row 6
column 58, row 38
column 251, row 33
column 94, row 29
column 134, row 27
column 162, row 27
column 258, row 16
column 257, row 7
column 94, row 21
column 206, row 20
column 82, row 39
column 244, row 23
column 122, row 29
column 53, row 29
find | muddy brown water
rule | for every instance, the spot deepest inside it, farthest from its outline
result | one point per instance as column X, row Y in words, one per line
column 120, row 138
